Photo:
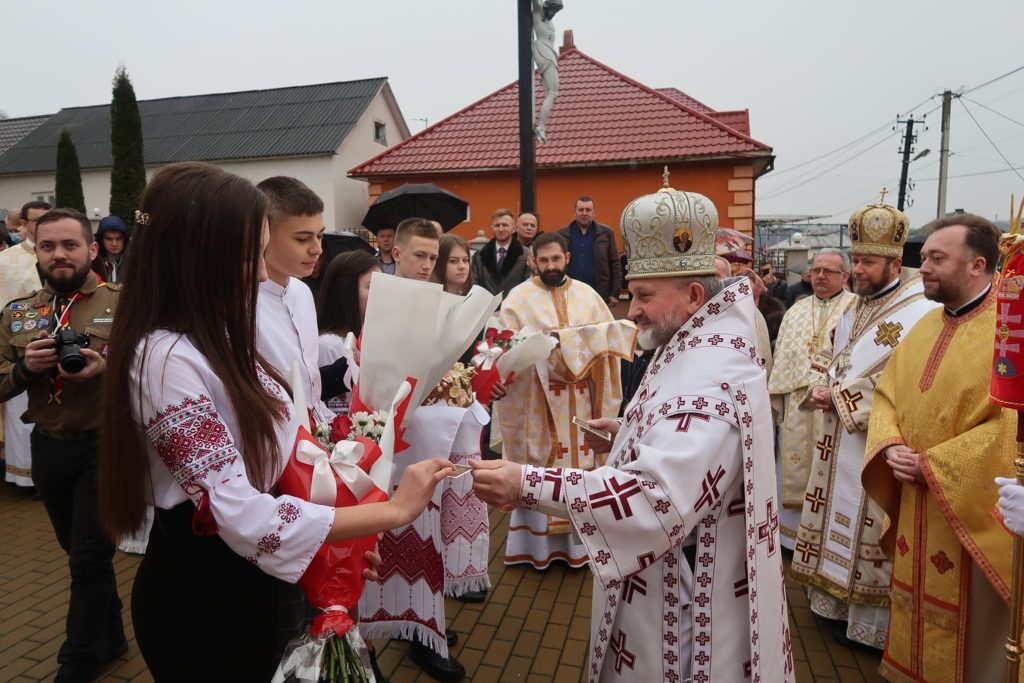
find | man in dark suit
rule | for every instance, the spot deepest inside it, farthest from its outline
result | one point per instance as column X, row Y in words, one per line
column 595, row 255
column 501, row 264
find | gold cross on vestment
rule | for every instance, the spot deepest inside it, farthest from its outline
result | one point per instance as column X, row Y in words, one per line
column 888, row 334
column 885, row 191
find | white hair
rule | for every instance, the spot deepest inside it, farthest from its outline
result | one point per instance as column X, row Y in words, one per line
column 827, row 251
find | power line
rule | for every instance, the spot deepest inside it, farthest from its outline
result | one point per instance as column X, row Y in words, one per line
column 977, row 173
column 998, row 151
column 821, row 174
column 990, row 82
column 994, row 111
column 885, row 125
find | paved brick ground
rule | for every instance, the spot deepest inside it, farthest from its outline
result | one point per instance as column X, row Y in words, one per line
column 533, row 627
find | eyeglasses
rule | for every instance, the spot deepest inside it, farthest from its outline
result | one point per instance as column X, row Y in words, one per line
column 824, row 271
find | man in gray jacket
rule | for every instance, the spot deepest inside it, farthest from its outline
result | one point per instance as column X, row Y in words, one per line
column 501, row 264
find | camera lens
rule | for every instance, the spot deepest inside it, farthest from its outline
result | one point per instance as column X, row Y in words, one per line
column 71, row 359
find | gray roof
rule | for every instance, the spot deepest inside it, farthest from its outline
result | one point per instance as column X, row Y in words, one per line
column 13, row 130
column 296, row 121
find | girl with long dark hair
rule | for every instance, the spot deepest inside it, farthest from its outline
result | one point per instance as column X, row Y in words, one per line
column 340, row 309
column 453, row 265
column 198, row 425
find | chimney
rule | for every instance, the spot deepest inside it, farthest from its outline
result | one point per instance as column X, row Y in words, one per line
column 567, row 42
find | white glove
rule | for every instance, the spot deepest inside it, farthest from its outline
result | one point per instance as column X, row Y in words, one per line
column 1011, row 504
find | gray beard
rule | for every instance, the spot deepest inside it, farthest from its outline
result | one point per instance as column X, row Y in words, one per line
column 659, row 334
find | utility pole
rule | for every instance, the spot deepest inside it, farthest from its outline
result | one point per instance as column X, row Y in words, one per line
column 527, row 151
column 947, row 105
column 908, row 143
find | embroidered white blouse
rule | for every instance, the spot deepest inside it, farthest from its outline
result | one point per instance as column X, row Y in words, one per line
column 191, row 429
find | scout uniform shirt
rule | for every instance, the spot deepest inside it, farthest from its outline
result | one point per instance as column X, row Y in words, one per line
column 55, row 404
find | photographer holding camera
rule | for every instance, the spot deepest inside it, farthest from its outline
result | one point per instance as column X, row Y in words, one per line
column 52, row 346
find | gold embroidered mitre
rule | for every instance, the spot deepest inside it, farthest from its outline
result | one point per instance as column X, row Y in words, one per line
column 878, row 230
column 670, row 234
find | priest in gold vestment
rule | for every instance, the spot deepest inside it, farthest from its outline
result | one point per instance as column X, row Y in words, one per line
column 935, row 443
column 579, row 379
column 801, row 336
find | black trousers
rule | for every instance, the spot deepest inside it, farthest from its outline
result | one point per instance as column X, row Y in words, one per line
column 64, row 473
column 203, row 613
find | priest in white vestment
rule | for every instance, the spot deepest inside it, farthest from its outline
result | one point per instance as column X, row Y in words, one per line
column 838, row 553
column 580, row 379
column 682, row 523
column 19, row 278
column 802, row 334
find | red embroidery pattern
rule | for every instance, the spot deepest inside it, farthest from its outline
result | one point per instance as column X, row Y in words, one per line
column 275, row 390
column 941, row 562
column 901, row 545
column 191, row 439
column 288, row 512
column 412, row 557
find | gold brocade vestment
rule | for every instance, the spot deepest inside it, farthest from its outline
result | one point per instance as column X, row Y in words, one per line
column 949, row 550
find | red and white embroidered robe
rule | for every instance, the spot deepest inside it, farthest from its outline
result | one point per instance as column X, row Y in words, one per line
column 408, row 601
column 692, row 464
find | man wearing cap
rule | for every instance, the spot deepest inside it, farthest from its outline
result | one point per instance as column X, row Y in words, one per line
column 681, row 524
column 838, row 554
column 112, row 237
column 802, row 334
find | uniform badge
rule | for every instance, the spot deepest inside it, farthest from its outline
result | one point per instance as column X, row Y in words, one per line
column 16, row 326
column 19, row 307
column 17, row 315
column 30, row 325
column 32, row 314
column 44, row 310
column 102, row 321
column 42, row 323
column 38, row 304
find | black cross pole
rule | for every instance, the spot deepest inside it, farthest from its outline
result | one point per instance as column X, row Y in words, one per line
column 527, row 151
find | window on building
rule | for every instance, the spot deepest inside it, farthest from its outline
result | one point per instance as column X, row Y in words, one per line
column 380, row 132
column 47, row 196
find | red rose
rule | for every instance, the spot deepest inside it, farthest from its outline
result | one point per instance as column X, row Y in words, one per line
column 505, row 335
column 341, row 427
column 490, row 334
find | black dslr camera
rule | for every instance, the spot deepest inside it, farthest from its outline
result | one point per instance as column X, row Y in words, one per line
column 69, row 348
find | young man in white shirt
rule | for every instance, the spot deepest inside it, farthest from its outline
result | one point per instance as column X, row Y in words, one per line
column 286, row 328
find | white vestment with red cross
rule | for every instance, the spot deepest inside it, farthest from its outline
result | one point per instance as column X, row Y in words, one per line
column 692, row 465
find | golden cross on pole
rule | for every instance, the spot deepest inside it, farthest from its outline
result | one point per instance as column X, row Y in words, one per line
column 885, row 191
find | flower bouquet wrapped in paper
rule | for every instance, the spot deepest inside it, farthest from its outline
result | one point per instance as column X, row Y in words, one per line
column 341, row 476
column 502, row 353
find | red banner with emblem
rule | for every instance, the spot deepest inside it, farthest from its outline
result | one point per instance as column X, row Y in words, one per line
column 1007, row 387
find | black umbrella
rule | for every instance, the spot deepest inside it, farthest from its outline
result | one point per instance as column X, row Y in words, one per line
column 416, row 200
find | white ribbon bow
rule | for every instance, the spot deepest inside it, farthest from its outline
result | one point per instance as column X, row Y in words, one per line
column 487, row 355
column 344, row 460
column 348, row 352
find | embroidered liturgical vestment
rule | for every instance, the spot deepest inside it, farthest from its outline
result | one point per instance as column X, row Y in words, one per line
column 951, row 556
column 579, row 379
column 18, row 278
column 692, row 464
column 837, row 550
column 801, row 335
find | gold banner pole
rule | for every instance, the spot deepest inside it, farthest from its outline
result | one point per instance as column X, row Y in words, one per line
column 1013, row 638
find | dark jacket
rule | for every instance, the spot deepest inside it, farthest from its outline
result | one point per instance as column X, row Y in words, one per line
column 607, row 267
column 514, row 269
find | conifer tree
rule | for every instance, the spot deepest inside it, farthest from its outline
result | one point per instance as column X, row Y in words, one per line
column 69, row 175
column 128, row 167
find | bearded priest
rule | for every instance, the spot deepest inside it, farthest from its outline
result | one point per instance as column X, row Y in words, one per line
column 934, row 445
column 803, row 332
column 580, row 379
column 837, row 553
column 681, row 523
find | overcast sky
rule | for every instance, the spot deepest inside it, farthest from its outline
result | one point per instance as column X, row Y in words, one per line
column 815, row 75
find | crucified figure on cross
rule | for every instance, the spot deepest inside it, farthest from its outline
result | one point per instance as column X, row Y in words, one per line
column 546, row 57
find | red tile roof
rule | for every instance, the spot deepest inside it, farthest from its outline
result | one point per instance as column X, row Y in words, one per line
column 601, row 117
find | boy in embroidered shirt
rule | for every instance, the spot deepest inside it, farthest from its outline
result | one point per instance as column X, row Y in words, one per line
column 286, row 328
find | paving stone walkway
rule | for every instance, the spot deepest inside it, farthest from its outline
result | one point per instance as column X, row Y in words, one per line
column 533, row 627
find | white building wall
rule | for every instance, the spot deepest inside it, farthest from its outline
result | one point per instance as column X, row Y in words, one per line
column 351, row 196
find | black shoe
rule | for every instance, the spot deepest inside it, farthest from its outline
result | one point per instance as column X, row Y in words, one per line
column 115, row 651
column 452, row 637
column 434, row 665
column 472, row 596
column 377, row 674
